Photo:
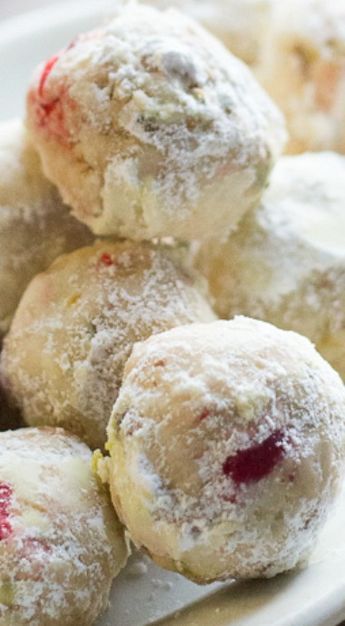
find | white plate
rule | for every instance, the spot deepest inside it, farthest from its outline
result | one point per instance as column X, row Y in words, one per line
column 144, row 594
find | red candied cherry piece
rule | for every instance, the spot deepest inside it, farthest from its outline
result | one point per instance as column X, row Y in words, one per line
column 45, row 73
column 5, row 501
column 49, row 66
column 51, row 115
column 47, row 107
column 109, row 260
column 50, row 111
column 5, row 492
column 106, row 259
column 204, row 415
column 5, row 529
column 256, row 462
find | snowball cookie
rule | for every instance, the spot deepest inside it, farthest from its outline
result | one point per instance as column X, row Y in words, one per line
column 60, row 542
column 303, row 68
column 35, row 227
column 76, row 324
column 286, row 262
column 227, row 444
column 150, row 128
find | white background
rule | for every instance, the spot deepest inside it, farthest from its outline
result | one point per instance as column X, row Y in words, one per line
column 12, row 7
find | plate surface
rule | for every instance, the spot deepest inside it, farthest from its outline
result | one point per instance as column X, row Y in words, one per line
column 143, row 594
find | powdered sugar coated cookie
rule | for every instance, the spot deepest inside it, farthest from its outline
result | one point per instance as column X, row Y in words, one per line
column 226, row 447
column 150, row 128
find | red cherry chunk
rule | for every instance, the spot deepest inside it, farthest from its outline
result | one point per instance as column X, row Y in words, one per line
column 46, row 71
column 5, row 501
column 106, row 259
column 256, row 462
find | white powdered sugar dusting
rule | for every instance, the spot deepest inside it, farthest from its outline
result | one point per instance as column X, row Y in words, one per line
column 197, row 404
column 60, row 542
column 286, row 262
column 35, row 226
column 163, row 116
column 63, row 359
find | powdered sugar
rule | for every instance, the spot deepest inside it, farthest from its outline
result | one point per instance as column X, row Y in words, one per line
column 66, row 544
column 286, row 262
column 35, row 227
column 164, row 118
column 189, row 513
column 74, row 330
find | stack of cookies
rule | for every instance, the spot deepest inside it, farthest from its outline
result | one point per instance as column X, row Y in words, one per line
column 157, row 252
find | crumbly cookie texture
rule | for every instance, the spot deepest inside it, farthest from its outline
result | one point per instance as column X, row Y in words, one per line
column 226, row 447
column 241, row 25
column 303, row 68
column 35, row 226
column 151, row 128
column 61, row 544
column 63, row 358
column 286, row 262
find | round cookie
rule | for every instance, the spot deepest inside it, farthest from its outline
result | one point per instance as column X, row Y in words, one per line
column 61, row 544
column 35, row 227
column 286, row 262
column 241, row 25
column 227, row 447
column 63, row 358
column 303, row 68
column 151, row 128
